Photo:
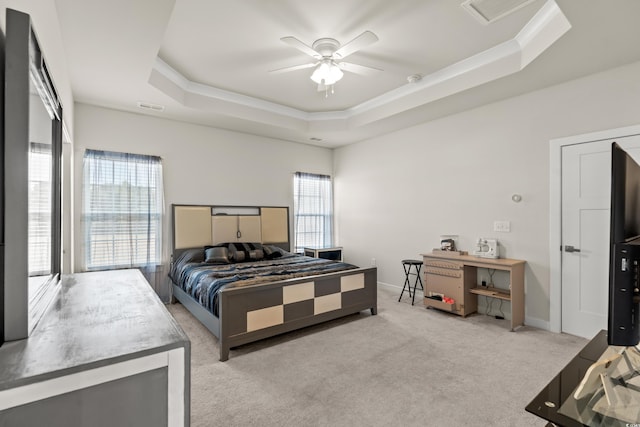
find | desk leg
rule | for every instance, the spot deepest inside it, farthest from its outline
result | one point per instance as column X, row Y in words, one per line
column 516, row 277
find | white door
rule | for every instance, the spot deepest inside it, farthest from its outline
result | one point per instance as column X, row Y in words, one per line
column 586, row 187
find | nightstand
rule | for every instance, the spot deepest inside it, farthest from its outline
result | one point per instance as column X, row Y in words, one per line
column 332, row 253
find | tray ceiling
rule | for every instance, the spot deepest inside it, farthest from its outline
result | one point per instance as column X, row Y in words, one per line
column 209, row 62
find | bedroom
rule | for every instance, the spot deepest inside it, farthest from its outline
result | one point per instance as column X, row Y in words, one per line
column 396, row 193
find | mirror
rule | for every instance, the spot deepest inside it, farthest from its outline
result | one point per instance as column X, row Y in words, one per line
column 43, row 184
column 31, row 194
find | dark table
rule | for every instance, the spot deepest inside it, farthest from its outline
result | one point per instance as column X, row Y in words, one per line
column 548, row 402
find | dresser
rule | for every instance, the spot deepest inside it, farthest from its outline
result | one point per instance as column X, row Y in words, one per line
column 105, row 353
column 331, row 253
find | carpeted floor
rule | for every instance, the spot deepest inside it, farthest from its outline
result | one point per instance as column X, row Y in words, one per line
column 405, row 366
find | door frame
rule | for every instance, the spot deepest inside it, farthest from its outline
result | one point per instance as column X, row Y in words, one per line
column 555, row 212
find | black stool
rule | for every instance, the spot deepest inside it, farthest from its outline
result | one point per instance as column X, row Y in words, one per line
column 407, row 264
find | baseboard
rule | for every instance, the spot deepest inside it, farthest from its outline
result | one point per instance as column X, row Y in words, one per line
column 389, row 285
column 537, row 323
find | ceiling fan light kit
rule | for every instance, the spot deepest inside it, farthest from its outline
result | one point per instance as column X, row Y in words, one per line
column 327, row 73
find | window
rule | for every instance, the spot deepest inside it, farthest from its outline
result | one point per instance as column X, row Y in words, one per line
column 122, row 210
column 40, row 206
column 313, row 211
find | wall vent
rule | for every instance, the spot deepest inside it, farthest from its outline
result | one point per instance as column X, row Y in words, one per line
column 148, row 106
column 487, row 11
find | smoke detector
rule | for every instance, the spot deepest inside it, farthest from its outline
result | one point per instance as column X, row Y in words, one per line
column 414, row 78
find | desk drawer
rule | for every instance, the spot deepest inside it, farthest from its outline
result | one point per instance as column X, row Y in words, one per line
column 437, row 263
column 443, row 272
column 450, row 284
column 440, row 305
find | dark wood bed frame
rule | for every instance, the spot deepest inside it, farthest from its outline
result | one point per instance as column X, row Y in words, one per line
column 352, row 290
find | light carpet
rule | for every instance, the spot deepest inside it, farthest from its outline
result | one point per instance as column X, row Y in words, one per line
column 405, row 366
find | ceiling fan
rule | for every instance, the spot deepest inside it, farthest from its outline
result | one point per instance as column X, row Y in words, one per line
column 328, row 54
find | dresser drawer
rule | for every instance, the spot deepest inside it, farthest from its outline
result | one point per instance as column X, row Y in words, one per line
column 438, row 263
column 440, row 305
column 443, row 272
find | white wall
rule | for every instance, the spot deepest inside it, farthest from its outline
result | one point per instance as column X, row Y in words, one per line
column 201, row 165
column 396, row 194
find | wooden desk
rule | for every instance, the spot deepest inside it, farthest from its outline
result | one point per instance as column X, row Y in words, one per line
column 455, row 276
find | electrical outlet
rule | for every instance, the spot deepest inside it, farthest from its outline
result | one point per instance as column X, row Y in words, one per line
column 502, row 226
column 373, row 262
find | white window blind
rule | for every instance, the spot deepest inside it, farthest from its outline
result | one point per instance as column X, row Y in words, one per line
column 40, row 209
column 313, row 210
column 122, row 210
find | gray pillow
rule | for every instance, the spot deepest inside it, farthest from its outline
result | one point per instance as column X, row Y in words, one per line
column 217, row 255
column 272, row 251
column 191, row 255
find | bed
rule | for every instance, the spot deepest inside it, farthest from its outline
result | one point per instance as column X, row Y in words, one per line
column 233, row 270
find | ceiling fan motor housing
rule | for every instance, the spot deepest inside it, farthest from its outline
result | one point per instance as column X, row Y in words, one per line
column 326, row 47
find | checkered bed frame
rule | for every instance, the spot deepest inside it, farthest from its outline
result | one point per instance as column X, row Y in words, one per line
column 249, row 314
column 305, row 300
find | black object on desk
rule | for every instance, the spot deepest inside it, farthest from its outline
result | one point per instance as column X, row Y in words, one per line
column 406, row 264
column 548, row 402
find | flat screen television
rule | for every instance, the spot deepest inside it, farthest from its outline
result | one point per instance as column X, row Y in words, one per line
column 624, row 264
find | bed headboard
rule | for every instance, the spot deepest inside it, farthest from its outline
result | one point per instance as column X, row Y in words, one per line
column 201, row 225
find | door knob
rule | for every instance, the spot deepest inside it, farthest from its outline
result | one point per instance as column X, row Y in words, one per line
column 569, row 248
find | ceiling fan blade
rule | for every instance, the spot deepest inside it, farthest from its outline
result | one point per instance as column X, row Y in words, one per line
column 293, row 68
column 294, row 42
column 358, row 69
column 364, row 39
